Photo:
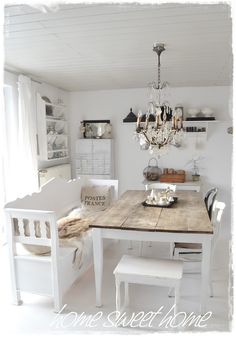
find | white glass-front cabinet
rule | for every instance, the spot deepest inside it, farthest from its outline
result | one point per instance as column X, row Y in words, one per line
column 52, row 130
column 94, row 158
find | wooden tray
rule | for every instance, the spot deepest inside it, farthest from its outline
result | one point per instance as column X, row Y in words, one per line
column 172, row 178
column 162, row 206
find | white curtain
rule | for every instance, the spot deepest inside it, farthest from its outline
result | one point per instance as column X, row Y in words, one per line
column 18, row 156
column 28, row 178
column 9, row 144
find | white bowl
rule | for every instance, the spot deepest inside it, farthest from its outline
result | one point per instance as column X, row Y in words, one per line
column 207, row 111
column 58, row 112
column 60, row 127
column 193, row 112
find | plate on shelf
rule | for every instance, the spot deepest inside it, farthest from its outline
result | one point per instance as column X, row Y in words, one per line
column 50, row 118
column 59, row 127
column 58, row 112
column 193, row 112
column 49, row 110
column 170, row 204
column 51, row 138
column 50, row 151
column 59, row 143
column 207, row 112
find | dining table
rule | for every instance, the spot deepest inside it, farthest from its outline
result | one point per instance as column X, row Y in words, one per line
column 127, row 218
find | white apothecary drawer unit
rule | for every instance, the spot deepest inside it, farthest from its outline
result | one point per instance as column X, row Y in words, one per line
column 52, row 130
column 94, row 158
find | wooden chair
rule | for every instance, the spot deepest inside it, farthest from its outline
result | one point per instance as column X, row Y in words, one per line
column 209, row 200
column 191, row 248
column 183, row 250
column 140, row 270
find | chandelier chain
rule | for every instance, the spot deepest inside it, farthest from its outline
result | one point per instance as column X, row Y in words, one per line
column 159, row 73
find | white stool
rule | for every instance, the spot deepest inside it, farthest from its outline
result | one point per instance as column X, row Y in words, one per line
column 141, row 270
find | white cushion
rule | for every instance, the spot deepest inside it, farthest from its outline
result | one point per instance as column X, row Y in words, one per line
column 141, row 266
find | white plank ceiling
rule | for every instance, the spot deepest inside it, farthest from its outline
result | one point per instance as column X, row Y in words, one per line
column 93, row 47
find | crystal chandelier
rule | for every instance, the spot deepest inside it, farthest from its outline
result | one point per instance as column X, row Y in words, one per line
column 161, row 127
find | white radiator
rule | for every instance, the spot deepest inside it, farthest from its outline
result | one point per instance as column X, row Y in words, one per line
column 58, row 171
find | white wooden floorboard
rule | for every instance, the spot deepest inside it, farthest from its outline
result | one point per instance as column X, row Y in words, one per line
column 36, row 314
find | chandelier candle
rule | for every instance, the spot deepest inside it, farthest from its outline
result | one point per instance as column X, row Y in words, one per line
column 173, row 122
column 147, row 120
column 139, row 120
column 157, row 120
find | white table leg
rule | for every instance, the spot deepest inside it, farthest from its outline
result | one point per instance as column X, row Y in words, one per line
column 172, row 247
column 206, row 265
column 177, row 296
column 118, row 305
column 126, row 294
column 98, row 264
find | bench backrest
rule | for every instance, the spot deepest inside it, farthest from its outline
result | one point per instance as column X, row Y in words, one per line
column 32, row 219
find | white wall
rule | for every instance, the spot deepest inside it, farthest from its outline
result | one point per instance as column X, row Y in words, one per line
column 130, row 160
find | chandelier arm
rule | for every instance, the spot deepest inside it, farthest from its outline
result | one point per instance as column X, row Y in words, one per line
column 166, row 140
column 145, row 135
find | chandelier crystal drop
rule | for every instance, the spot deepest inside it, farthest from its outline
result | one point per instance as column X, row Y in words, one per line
column 167, row 128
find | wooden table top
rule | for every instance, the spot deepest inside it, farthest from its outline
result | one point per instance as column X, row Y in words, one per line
column 187, row 215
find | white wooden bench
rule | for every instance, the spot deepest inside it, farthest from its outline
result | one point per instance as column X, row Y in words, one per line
column 141, row 270
column 54, row 274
